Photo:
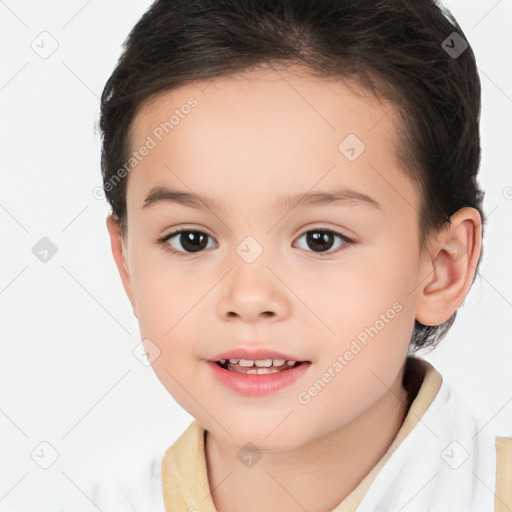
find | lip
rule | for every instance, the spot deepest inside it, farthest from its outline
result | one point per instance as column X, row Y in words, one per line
column 255, row 353
column 250, row 384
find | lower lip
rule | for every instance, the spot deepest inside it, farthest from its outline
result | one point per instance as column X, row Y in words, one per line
column 253, row 384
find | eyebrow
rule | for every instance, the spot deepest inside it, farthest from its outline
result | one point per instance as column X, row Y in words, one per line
column 160, row 194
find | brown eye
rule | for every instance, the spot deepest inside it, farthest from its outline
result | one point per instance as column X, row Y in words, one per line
column 320, row 240
column 186, row 241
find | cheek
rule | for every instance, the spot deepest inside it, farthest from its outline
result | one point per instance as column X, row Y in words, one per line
column 369, row 288
column 358, row 366
column 167, row 317
column 165, row 300
column 368, row 305
column 158, row 286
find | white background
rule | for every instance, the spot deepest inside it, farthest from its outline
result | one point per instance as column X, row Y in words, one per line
column 68, row 375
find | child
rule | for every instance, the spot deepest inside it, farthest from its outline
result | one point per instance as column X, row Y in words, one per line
column 295, row 213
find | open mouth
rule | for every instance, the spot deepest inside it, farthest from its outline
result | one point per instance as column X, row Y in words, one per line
column 259, row 366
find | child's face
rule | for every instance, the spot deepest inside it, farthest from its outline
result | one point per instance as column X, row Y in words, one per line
column 347, row 308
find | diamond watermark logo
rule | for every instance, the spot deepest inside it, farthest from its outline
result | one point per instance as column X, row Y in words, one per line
column 146, row 352
column 454, row 455
column 44, row 455
column 44, row 250
column 249, row 455
column 351, row 147
column 249, row 249
column 454, row 45
column 45, row 45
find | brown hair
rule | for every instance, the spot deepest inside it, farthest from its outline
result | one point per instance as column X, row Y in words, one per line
column 394, row 48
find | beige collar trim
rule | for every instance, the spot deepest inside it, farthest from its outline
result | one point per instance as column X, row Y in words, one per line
column 430, row 381
column 503, row 494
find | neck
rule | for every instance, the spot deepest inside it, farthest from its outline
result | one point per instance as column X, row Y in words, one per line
column 314, row 476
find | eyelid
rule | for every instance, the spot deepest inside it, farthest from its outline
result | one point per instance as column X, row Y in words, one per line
column 320, row 226
column 179, row 229
column 347, row 240
column 163, row 241
column 332, row 229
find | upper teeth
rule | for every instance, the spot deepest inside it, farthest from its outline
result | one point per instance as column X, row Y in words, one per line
column 259, row 362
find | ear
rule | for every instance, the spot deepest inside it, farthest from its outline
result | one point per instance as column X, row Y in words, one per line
column 450, row 266
column 119, row 252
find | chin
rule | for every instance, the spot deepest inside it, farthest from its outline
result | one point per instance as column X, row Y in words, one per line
column 271, row 436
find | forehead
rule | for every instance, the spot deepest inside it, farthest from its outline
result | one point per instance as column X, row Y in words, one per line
column 268, row 94
column 265, row 131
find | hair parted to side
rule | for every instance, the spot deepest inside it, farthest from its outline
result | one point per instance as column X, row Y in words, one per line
column 390, row 47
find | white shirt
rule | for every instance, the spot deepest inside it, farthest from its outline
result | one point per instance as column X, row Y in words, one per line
column 446, row 463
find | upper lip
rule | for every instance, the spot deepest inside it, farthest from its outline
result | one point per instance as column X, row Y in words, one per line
column 254, row 353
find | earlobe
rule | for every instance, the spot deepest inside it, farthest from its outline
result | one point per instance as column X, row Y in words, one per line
column 119, row 253
column 450, row 267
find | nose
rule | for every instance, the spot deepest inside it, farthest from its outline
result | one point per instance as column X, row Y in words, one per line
column 252, row 291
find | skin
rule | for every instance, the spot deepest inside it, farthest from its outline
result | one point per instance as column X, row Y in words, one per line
column 253, row 138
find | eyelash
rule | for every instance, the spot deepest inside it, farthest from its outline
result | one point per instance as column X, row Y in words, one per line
column 163, row 242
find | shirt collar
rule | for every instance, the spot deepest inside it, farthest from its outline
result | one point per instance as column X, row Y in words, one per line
column 184, row 474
